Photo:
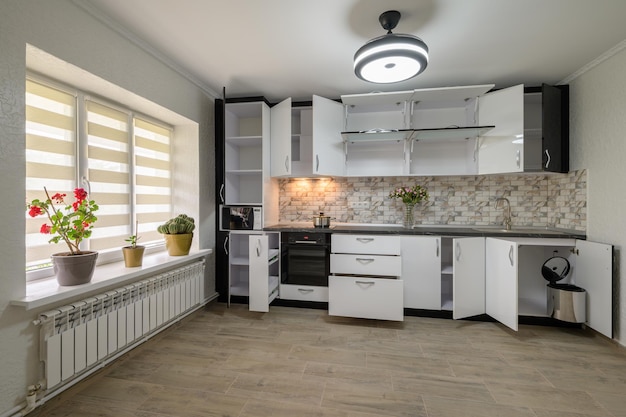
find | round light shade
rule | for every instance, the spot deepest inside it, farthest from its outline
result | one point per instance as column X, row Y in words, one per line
column 391, row 58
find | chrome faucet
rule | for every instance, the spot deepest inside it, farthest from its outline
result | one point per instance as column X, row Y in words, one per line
column 507, row 211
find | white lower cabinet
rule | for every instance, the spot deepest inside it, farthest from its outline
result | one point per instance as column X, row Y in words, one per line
column 444, row 274
column 514, row 284
column 264, row 250
column 303, row 293
column 468, row 277
column 365, row 297
column 365, row 277
column 421, row 272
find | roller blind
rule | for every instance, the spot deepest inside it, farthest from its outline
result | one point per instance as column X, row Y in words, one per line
column 50, row 159
column 126, row 160
column 109, row 174
column 152, row 177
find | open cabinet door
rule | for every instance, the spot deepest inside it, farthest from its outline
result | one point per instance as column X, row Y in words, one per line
column 259, row 273
column 328, row 150
column 594, row 273
column 280, row 139
column 502, row 148
column 468, row 285
column 501, row 280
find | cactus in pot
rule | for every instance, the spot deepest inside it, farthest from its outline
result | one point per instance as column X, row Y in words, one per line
column 178, row 234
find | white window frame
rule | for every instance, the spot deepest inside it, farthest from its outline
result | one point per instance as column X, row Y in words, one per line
column 81, row 175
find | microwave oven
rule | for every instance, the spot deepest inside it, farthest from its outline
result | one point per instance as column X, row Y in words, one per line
column 241, row 218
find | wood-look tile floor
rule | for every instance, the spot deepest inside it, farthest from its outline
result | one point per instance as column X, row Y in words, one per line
column 294, row 362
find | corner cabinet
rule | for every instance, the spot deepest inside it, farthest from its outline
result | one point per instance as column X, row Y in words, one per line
column 514, row 284
column 305, row 140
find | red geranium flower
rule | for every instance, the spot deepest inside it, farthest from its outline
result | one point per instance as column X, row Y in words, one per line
column 58, row 197
column 71, row 223
column 80, row 194
column 35, row 211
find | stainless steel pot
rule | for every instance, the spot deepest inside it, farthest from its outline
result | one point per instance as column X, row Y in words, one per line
column 321, row 220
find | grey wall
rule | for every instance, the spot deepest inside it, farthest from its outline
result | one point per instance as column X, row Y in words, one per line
column 598, row 144
column 66, row 31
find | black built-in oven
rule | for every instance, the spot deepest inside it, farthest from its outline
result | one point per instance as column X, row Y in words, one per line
column 306, row 258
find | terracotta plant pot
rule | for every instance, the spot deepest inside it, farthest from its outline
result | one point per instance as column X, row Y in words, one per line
column 133, row 257
column 74, row 269
column 178, row 245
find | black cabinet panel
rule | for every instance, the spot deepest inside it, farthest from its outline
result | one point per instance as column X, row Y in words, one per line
column 555, row 128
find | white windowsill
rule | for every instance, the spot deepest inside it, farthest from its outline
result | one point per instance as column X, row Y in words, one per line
column 47, row 292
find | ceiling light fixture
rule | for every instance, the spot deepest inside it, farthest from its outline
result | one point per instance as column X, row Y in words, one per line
column 391, row 58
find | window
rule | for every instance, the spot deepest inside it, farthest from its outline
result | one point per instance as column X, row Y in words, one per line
column 122, row 158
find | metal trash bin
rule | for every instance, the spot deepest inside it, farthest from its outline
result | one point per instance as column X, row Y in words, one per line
column 567, row 302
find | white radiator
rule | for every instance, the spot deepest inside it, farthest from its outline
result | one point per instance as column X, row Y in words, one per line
column 80, row 336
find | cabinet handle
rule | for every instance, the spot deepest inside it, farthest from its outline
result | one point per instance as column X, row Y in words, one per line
column 222, row 193
column 365, row 282
column 518, row 159
column 305, row 290
column 548, row 158
column 458, row 251
column 287, row 163
column 511, row 255
column 365, row 260
column 364, row 239
column 317, row 163
column 258, row 248
column 226, row 245
column 437, row 247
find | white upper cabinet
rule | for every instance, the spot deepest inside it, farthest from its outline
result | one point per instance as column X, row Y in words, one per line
column 281, row 128
column 502, row 148
column 306, row 141
column 328, row 150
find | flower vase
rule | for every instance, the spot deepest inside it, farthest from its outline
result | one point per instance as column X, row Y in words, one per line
column 409, row 220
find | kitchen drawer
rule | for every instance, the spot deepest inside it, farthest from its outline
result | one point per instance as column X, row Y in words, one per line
column 369, row 298
column 366, row 244
column 365, row 264
column 303, row 293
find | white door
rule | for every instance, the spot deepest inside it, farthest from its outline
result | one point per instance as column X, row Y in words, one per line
column 468, row 282
column 421, row 271
column 502, row 148
column 328, row 149
column 594, row 272
column 501, row 279
column 259, row 273
column 280, row 139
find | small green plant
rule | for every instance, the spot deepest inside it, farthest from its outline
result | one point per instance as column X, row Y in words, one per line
column 179, row 225
column 132, row 239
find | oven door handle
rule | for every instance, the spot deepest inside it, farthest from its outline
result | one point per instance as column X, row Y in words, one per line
column 307, row 242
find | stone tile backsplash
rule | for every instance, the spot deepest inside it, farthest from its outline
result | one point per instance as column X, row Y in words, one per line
column 538, row 200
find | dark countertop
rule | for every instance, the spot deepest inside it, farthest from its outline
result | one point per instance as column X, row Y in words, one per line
column 432, row 230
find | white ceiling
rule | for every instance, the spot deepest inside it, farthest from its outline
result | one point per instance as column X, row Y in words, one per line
column 296, row 48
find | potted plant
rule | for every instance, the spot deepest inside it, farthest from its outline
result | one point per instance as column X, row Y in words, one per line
column 70, row 223
column 133, row 253
column 178, row 234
